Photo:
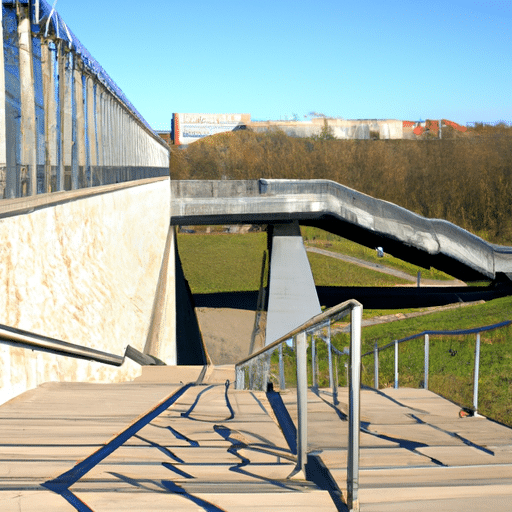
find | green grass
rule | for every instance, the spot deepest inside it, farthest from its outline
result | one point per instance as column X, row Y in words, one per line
column 315, row 237
column 225, row 263
column 329, row 271
column 451, row 357
column 221, row 262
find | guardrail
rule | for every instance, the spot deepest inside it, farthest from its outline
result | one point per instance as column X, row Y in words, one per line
column 34, row 341
column 426, row 366
column 254, row 373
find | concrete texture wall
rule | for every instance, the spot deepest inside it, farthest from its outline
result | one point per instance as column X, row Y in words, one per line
column 81, row 267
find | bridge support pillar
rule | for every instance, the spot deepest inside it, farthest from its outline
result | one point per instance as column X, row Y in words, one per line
column 292, row 293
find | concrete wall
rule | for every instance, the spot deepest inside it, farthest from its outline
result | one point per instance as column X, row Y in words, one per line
column 82, row 267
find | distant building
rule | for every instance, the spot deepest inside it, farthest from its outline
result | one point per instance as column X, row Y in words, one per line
column 188, row 128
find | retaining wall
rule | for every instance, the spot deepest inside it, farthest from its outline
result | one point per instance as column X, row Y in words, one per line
column 82, row 267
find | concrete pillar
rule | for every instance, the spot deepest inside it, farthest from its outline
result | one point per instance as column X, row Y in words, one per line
column 80, row 130
column 50, row 114
column 68, row 128
column 292, row 294
column 99, row 125
column 28, row 104
column 62, row 118
column 91, row 130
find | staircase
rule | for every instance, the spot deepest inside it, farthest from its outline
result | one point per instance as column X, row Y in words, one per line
column 203, row 446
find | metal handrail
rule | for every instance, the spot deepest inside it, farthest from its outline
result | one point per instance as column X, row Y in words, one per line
column 55, row 346
column 426, row 335
column 299, row 334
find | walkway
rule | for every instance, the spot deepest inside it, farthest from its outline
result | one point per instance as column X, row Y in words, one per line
column 210, row 448
column 417, row 454
column 384, row 269
column 154, row 444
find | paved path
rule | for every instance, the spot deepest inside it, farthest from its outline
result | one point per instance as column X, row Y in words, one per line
column 156, row 444
column 385, row 270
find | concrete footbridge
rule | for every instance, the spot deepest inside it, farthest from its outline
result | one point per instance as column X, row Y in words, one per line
column 339, row 209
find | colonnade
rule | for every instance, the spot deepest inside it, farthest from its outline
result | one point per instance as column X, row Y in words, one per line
column 64, row 124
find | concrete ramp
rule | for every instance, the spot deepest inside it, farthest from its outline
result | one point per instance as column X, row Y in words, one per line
column 344, row 211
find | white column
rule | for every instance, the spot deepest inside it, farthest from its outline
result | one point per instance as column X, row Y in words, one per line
column 28, row 105
column 3, row 141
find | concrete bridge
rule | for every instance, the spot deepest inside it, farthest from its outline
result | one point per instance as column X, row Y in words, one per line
column 338, row 209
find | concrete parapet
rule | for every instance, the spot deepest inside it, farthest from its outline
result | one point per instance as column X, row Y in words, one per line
column 81, row 267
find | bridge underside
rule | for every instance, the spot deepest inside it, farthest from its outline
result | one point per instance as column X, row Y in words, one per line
column 338, row 209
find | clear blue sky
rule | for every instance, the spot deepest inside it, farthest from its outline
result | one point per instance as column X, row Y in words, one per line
column 397, row 59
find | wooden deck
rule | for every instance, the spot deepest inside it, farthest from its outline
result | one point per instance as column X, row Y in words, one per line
column 138, row 446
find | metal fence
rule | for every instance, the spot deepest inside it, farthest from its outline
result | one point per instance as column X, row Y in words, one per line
column 469, row 365
column 64, row 123
column 256, row 371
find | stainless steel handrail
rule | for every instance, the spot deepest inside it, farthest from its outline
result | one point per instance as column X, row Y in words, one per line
column 426, row 334
column 37, row 341
column 299, row 335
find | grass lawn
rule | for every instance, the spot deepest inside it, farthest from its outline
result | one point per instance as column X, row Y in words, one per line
column 223, row 263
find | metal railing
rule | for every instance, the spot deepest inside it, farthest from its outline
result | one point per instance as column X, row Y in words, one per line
column 254, row 372
column 426, row 365
column 33, row 341
column 65, row 124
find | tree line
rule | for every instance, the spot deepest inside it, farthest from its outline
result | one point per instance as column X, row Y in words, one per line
column 465, row 178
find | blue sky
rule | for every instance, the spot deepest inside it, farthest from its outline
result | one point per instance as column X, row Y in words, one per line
column 399, row 59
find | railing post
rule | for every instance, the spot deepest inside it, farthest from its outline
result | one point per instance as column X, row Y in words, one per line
column 427, row 355
column 329, row 347
column 282, row 382
column 335, row 383
column 240, row 378
column 376, row 366
column 396, row 364
column 477, row 371
column 314, row 376
column 354, row 425
column 302, row 400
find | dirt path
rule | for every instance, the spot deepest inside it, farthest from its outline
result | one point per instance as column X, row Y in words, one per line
column 226, row 333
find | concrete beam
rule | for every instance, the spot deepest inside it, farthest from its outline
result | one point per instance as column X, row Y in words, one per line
column 347, row 212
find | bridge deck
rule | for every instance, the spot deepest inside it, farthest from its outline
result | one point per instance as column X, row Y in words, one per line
column 344, row 211
column 208, row 452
